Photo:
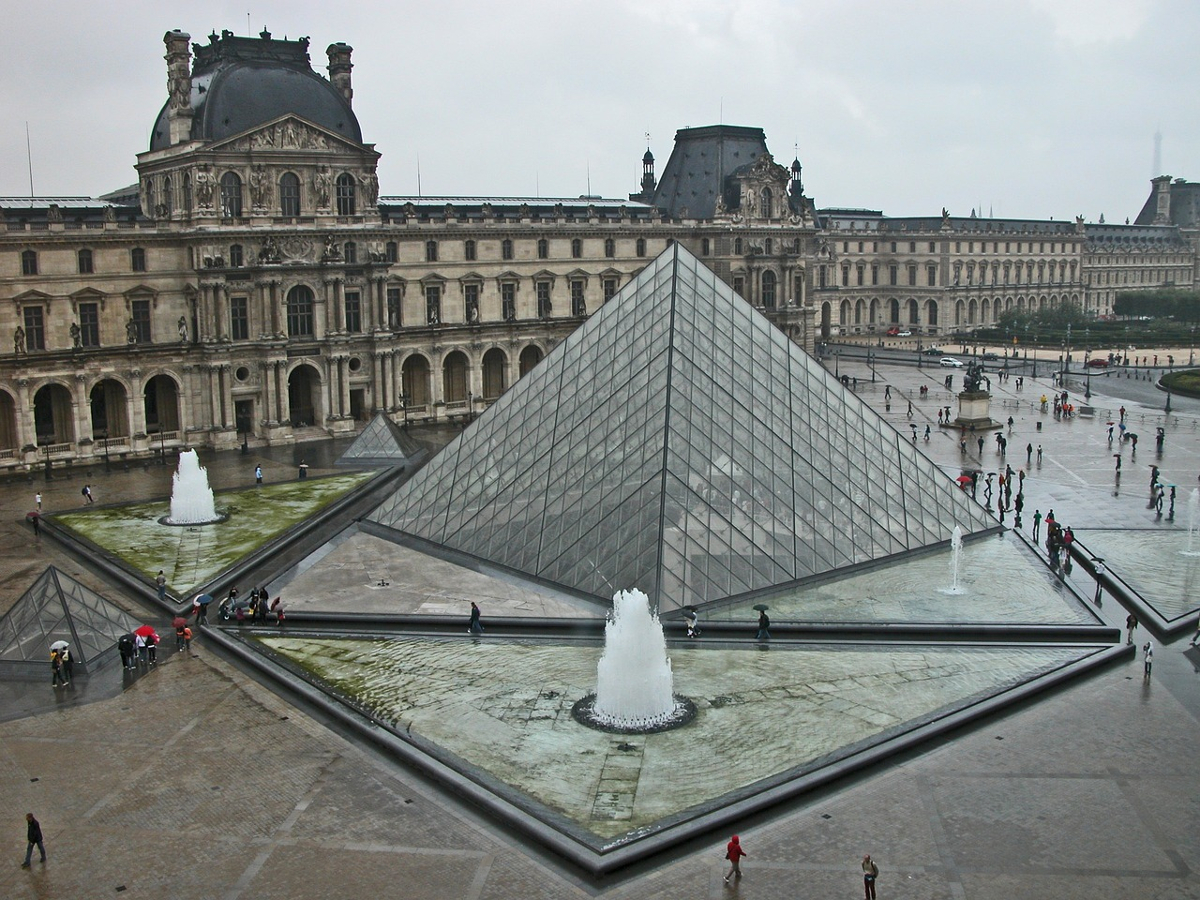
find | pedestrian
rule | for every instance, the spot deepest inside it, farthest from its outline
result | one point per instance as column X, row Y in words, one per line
column 1110, row 434
column 56, row 670
column 125, row 646
column 87, row 494
column 926, row 434
column 1028, row 453
column 734, row 853
column 764, row 624
column 1037, row 524
column 140, row 644
column 474, row 627
column 37, row 498
column 1131, row 624
column 1118, row 458
column 258, row 474
column 201, row 608
column 887, row 392
column 152, row 649
column 692, row 617
column 303, row 470
column 1147, row 658
column 1171, row 512
column 980, row 442
column 910, row 409
column 870, row 873
column 1196, row 636
column 161, row 581
column 68, row 662
column 33, row 834
column 36, row 521
column 1039, row 454
column 179, row 638
column 187, row 638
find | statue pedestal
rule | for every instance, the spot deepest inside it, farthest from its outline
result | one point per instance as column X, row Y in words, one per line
column 975, row 411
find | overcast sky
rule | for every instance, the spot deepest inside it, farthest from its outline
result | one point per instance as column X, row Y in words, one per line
column 1039, row 108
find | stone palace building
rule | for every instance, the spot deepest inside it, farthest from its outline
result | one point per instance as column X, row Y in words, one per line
column 255, row 286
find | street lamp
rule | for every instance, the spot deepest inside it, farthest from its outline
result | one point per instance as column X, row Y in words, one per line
column 104, row 437
column 162, row 447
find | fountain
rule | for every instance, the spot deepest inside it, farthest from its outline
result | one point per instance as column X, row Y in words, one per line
column 1193, row 520
column 634, row 683
column 192, row 501
column 956, row 537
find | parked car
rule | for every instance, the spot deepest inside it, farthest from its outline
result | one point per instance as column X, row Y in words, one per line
column 932, row 351
column 893, row 331
column 1099, row 362
column 949, row 362
column 904, row 333
column 990, row 356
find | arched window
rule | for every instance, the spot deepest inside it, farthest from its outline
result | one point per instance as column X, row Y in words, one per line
column 767, row 200
column 187, row 193
column 137, row 259
column 768, row 289
column 610, row 248
column 431, row 251
column 289, row 195
column 85, row 262
column 737, row 246
column 469, row 250
column 231, row 195
column 704, row 247
column 576, row 248
column 168, row 197
column 543, row 248
column 768, row 246
column 640, row 247
column 506, row 249
column 300, row 311
column 346, row 202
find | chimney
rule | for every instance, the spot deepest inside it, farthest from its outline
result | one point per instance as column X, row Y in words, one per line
column 179, row 86
column 339, row 69
column 1162, row 190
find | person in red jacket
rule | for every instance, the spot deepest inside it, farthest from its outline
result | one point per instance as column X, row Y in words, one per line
column 734, row 853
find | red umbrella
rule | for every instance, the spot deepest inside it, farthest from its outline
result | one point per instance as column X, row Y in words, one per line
column 146, row 631
column 179, row 622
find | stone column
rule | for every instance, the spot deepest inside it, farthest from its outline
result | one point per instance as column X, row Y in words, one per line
column 339, row 306
column 378, row 379
column 26, row 430
column 268, row 379
column 276, row 303
column 214, row 396
column 186, row 398
column 344, row 384
column 227, row 395
column 81, row 410
column 136, row 403
column 281, row 393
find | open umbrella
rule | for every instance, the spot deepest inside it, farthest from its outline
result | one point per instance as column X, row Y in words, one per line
column 179, row 622
column 761, row 607
column 59, row 645
column 146, row 631
column 963, row 479
column 203, row 599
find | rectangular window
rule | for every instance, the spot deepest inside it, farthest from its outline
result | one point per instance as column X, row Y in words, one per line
column 35, row 328
column 89, row 324
column 393, row 307
column 845, row 276
column 578, row 304
column 137, row 259
column 85, row 262
column 912, row 274
column 932, row 272
column 874, row 273
column 610, row 288
column 29, row 265
column 508, row 301
column 471, row 302
column 545, row 308
column 821, row 276
column 140, row 310
column 353, row 311
column 469, row 251
column 860, row 275
column 932, row 246
column 739, row 284
column 893, row 274
column 239, row 318
column 506, row 249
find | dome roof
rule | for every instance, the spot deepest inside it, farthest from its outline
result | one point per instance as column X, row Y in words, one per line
column 239, row 82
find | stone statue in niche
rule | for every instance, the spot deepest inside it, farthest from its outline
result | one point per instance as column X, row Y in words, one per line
column 260, row 187
column 76, row 336
column 204, row 181
column 130, row 332
column 370, row 183
column 322, row 182
column 19, row 341
column 183, row 330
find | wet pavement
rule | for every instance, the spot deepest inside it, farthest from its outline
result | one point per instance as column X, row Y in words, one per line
column 194, row 780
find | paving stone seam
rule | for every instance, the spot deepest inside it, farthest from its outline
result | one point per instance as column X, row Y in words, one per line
column 1148, row 822
column 941, row 840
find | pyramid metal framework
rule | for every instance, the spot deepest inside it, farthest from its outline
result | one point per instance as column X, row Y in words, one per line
column 681, row 444
column 56, row 607
column 381, row 443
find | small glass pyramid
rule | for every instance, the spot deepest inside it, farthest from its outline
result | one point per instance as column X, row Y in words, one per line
column 381, row 443
column 679, row 443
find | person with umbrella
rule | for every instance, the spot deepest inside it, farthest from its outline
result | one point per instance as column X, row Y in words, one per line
column 764, row 623
column 68, row 662
column 56, row 670
column 125, row 644
column 145, row 638
column 201, row 606
column 180, row 625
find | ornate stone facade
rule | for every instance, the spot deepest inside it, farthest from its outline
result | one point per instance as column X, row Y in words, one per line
column 255, row 286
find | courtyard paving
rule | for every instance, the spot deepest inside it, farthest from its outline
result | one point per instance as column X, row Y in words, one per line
column 194, row 780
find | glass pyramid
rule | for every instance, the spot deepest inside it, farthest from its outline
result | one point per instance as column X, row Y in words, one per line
column 381, row 443
column 681, row 444
column 56, row 607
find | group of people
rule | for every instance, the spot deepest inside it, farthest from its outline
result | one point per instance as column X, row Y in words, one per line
column 62, row 666
column 735, row 853
column 138, row 649
column 258, row 608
